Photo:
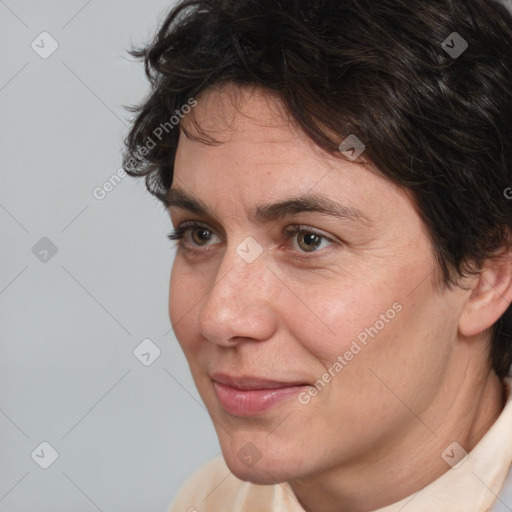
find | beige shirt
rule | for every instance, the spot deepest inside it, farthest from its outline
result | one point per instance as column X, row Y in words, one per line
column 472, row 485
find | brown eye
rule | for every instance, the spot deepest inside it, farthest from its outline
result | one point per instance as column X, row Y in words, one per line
column 309, row 241
column 200, row 235
column 191, row 235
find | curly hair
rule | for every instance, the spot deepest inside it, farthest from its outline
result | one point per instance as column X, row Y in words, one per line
column 427, row 86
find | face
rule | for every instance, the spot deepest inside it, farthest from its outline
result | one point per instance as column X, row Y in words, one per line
column 301, row 328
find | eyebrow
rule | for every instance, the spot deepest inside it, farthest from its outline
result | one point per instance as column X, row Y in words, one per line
column 178, row 198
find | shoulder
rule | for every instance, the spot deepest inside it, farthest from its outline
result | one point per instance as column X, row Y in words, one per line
column 213, row 488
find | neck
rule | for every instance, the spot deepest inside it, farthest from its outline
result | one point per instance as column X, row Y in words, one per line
column 463, row 411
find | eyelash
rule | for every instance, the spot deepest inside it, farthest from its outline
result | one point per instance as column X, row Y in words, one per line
column 179, row 233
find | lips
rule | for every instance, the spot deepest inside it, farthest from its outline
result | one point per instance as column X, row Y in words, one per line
column 250, row 396
column 251, row 383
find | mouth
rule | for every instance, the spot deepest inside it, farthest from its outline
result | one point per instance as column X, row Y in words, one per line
column 250, row 396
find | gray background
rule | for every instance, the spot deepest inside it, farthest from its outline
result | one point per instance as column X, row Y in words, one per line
column 127, row 435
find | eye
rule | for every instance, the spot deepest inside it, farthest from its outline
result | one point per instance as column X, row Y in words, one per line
column 200, row 234
column 308, row 240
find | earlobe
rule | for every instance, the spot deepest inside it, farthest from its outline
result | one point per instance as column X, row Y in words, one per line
column 490, row 297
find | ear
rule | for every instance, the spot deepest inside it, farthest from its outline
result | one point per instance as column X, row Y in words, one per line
column 490, row 297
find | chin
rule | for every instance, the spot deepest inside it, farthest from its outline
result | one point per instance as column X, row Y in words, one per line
column 263, row 471
column 259, row 474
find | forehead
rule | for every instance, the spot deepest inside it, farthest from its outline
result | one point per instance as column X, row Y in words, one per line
column 239, row 146
column 248, row 130
column 230, row 109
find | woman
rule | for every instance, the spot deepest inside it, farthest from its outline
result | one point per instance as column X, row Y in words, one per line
column 337, row 176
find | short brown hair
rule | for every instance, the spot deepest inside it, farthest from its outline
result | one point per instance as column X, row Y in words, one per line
column 426, row 85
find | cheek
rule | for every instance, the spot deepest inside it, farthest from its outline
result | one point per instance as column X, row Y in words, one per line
column 381, row 324
column 176, row 288
column 185, row 293
column 401, row 361
column 340, row 315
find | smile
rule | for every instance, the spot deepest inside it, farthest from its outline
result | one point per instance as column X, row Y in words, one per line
column 249, row 396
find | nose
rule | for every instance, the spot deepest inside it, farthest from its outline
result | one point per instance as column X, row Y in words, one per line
column 238, row 306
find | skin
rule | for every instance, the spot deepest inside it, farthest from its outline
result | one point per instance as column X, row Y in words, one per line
column 375, row 433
